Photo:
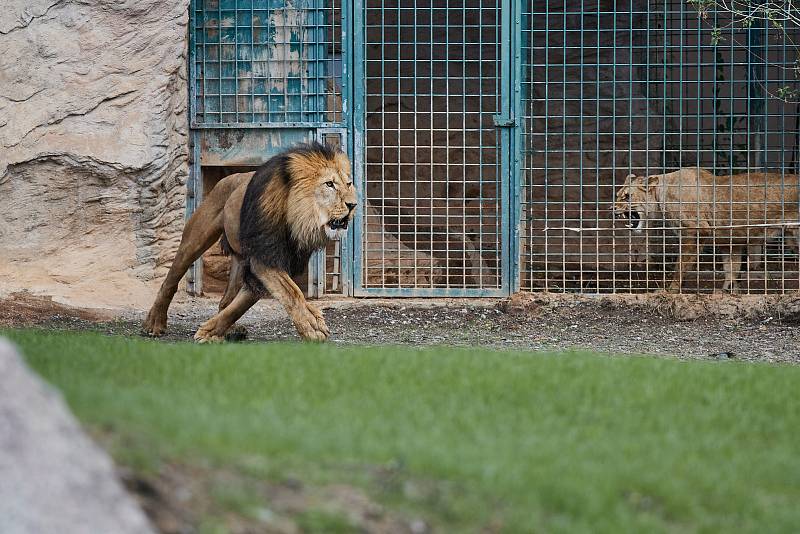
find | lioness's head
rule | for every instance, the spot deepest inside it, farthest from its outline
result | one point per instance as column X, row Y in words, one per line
column 632, row 204
column 322, row 196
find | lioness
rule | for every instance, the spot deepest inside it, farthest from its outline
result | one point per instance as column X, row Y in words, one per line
column 700, row 208
column 271, row 221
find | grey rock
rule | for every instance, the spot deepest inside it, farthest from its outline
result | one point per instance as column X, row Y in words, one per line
column 53, row 478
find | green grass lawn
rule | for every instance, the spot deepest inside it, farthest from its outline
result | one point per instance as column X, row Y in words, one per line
column 530, row 442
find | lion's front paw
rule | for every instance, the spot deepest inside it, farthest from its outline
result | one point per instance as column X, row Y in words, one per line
column 311, row 326
column 155, row 324
column 207, row 337
column 320, row 320
column 208, row 333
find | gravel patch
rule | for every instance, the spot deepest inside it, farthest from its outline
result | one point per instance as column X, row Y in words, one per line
column 615, row 324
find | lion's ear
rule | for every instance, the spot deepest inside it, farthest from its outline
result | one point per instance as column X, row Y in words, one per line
column 631, row 177
column 637, row 182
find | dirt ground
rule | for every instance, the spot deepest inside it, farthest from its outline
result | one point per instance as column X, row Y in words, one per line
column 179, row 496
column 719, row 327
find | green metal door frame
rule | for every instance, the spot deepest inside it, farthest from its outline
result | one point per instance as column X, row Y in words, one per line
column 251, row 140
column 510, row 129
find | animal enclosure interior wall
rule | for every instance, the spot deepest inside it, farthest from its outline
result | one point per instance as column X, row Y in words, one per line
column 490, row 138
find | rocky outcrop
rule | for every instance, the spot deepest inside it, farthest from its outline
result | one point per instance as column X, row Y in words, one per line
column 55, row 479
column 93, row 136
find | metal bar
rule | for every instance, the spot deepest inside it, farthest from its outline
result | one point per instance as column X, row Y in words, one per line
column 194, row 197
column 316, row 275
column 399, row 96
column 463, row 136
column 432, row 167
column 515, row 179
column 433, row 292
column 756, row 60
column 236, row 58
column 358, row 123
column 220, row 56
column 597, row 186
column 265, row 125
column 507, row 108
column 564, row 144
column 346, row 252
column 194, row 180
column 193, row 93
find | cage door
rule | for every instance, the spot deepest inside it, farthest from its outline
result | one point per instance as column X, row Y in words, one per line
column 432, row 155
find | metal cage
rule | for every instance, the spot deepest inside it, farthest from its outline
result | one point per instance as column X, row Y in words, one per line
column 490, row 138
column 650, row 89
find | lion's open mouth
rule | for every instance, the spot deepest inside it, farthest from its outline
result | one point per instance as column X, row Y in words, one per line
column 633, row 218
column 338, row 224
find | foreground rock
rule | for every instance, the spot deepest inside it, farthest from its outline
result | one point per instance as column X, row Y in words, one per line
column 54, row 479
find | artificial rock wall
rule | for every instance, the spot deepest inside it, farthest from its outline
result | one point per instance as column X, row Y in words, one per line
column 93, row 146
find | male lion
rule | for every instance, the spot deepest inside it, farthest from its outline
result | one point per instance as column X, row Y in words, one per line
column 700, row 209
column 271, row 221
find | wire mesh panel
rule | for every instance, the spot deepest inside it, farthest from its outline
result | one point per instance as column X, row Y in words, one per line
column 259, row 62
column 432, row 219
column 700, row 105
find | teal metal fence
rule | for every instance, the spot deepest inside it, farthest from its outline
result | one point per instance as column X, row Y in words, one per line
column 651, row 87
column 490, row 137
column 266, row 63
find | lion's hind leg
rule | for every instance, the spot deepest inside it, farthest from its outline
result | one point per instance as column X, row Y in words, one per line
column 234, row 283
column 202, row 230
column 237, row 332
column 215, row 328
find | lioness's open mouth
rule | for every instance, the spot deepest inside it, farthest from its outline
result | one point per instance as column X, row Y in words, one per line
column 633, row 218
column 338, row 224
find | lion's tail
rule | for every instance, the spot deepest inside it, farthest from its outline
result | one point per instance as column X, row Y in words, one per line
column 252, row 282
column 224, row 245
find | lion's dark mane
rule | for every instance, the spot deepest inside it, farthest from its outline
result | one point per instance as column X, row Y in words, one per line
column 264, row 234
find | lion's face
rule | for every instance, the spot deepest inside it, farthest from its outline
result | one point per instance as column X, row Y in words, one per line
column 632, row 204
column 322, row 198
column 336, row 200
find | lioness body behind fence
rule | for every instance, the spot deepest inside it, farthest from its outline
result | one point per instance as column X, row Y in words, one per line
column 726, row 212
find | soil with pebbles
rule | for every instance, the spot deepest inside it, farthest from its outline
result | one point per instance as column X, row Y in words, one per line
column 752, row 328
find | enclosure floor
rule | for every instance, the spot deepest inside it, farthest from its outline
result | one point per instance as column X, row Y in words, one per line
column 538, row 323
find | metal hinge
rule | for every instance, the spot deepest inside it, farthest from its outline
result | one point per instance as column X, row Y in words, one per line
column 502, row 121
